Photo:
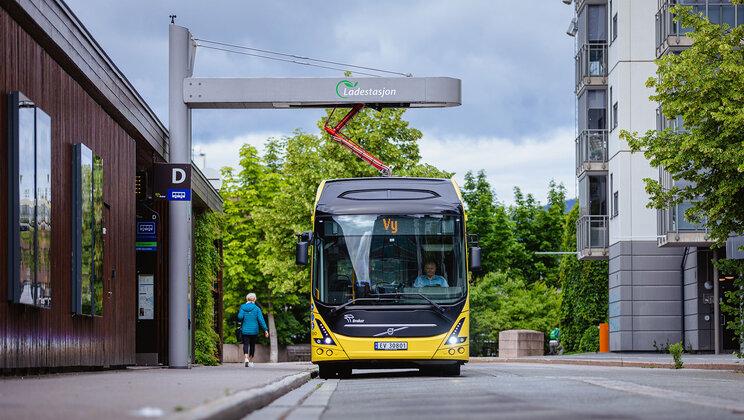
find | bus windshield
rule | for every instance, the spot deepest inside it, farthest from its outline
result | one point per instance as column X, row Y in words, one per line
column 411, row 259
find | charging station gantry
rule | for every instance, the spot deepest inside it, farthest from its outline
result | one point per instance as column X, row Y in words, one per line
column 187, row 93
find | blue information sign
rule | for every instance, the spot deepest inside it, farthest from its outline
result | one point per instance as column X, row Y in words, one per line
column 179, row 194
column 147, row 238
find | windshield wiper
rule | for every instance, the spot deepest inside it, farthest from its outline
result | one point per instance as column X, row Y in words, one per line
column 376, row 299
column 421, row 295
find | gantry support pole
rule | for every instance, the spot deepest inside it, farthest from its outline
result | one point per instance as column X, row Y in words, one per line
column 180, row 60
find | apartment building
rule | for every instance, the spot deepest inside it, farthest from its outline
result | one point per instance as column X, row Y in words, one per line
column 662, row 283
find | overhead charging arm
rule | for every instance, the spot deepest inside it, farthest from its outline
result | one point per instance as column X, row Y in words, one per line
column 359, row 151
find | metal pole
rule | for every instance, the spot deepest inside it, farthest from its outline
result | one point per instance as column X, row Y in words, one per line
column 179, row 232
column 716, row 308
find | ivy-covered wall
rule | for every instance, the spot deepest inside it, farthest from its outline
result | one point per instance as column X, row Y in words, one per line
column 206, row 266
column 585, row 294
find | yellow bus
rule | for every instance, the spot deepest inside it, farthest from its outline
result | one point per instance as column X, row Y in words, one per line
column 389, row 276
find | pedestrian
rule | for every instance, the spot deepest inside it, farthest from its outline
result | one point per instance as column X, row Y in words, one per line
column 251, row 317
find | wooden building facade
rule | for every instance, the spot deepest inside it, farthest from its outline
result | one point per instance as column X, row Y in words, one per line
column 48, row 57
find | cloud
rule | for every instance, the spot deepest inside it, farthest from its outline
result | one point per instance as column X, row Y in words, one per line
column 225, row 152
column 528, row 162
column 514, row 59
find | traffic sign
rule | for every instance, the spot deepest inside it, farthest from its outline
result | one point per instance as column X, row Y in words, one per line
column 173, row 181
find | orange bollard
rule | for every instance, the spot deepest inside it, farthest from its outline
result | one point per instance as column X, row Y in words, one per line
column 604, row 337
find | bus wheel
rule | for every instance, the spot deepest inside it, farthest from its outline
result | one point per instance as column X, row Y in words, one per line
column 452, row 370
column 344, row 373
column 326, row 372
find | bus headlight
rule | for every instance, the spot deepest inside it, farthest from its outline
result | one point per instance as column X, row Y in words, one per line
column 455, row 338
column 327, row 340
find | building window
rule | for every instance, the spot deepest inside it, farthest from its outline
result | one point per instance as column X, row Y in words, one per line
column 614, row 27
column 615, row 204
column 30, row 199
column 614, row 116
column 593, row 195
column 596, row 24
column 87, row 222
column 593, row 110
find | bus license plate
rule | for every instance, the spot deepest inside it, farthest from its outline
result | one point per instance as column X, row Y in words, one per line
column 391, row 345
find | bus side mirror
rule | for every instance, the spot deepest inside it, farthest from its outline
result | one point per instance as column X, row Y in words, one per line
column 301, row 253
column 303, row 241
column 475, row 259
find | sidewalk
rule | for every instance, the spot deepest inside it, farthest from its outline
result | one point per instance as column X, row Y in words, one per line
column 133, row 393
column 647, row 360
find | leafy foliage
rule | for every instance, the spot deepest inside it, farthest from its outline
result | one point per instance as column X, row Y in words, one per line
column 504, row 301
column 676, row 351
column 241, row 192
column 585, row 290
column 489, row 221
column 732, row 304
column 590, row 340
column 537, row 229
column 206, row 265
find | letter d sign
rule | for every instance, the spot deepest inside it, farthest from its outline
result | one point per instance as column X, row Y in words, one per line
column 179, row 175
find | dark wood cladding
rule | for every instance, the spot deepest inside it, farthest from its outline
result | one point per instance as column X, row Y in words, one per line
column 38, row 338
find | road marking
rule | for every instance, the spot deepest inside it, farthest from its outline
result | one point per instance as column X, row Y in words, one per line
column 667, row 394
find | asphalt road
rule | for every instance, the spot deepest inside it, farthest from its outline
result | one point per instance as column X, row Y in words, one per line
column 519, row 391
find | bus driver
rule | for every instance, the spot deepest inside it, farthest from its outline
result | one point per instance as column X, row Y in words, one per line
column 429, row 278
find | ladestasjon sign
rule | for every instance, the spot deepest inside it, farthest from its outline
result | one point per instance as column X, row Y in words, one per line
column 346, row 89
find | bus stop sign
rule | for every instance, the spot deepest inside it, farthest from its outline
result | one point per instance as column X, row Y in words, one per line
column 173, row 181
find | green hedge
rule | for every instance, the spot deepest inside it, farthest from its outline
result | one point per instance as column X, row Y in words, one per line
column 590, row 340
column 206, row 265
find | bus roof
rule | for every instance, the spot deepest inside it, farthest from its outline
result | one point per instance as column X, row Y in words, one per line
column 389, row 195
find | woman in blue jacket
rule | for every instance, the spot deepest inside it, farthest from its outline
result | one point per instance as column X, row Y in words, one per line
column 251, row 317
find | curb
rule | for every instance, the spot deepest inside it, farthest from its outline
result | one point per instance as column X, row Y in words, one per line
column 735, row 367
column 238, row 405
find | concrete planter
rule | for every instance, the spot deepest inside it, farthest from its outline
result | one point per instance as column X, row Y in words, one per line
column 519, row 343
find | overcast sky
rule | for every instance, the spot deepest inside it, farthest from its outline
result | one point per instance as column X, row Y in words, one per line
column 514, row 59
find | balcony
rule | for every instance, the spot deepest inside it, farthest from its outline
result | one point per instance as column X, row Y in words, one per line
column 591, row 151
column 591, row 66
column 671, row 36
column 673, row 227
column 675, row 230
column 592, row 237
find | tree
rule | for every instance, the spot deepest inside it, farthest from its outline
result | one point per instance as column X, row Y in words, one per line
column 704, row 86
column 489, row 220
column 241, row 193
column 504, row 300
column 537, row 229
column 584, row 287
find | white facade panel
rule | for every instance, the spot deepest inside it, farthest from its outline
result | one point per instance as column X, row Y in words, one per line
column 631, row 56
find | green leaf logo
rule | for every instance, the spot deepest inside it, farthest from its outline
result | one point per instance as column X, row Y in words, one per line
column 346, row 83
